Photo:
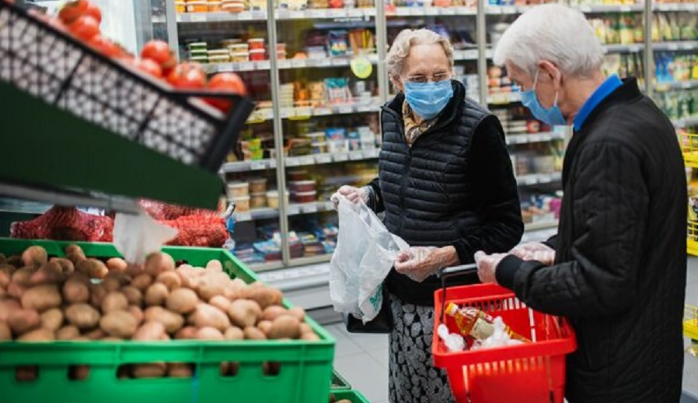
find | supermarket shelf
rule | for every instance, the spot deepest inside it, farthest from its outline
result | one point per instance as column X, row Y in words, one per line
column 690, row 7
column 430, row 11
column 536, row 179
column 500, row 10
column 245, row 166
column 677, row 85
column 611, row 8
column 467, row 54
column 619, row 48
column 256, row 214
column 538, row 226
column 280, row 15
column 301, row 113
column 534, row 138
column 505, row 98
column 304, row 261
column 261, row 267
column 685, row 122
column 309, row 208
column 221, row 17
column 674, row 46
column 358, row 155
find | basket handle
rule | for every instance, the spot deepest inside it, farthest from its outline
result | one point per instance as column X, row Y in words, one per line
column 450, row 272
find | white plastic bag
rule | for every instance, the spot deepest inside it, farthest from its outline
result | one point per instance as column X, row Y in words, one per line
column 138, row 235
column 363, row 258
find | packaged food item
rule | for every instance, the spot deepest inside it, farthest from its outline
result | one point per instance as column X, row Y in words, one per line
column 199, row 59
column 238, row 47
column 233, row 6
column 197, row 7
column 304, row 197
column 238, row 189
column 242, row 204
column 256, row 43
column 214, row 6
column 198, row 46
column 180, row 7
column 302, row 186
column 226, row 43
column 258, row 200
column 258, row 185
column 297, row 175
column 273, row 198
column 238, row 57
column 257, row 54
column 477, row 324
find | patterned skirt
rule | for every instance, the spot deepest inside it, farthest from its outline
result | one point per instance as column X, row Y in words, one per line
column 413, row 378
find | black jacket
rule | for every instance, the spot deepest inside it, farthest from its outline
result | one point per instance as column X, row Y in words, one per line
column 620, row 272
column 455, row 186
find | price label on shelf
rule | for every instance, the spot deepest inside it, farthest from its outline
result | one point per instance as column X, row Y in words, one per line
column 296, row 63
column 508, row 10
column 339, row 62
column 364, row 108
column 287, row 112
column 243, row 216
column 272, row 164
column 416, row 11
column 323, row 62
column 246, row 66
column 356, row 155
column 470, row 54
column 318, row 13
column 264, row 65
column 464, row 10
column 321, row 111
column 323, row 159
column 448, row 11
column 258, row 165
column 304, row 112
column 297, row 15
column 345, row 109
column 355, row 12
column 585, row 9
column 673, row 46
column 198, row 17
column 402, row 12
column 534, row 138
column 686, row 85
column 546, row 137
column 335, row 13
column 284, row 64
column 372, row 153
column 341, row 157
column 309, row 160
column 309, row 209
column 245, row 16
column 292, row 162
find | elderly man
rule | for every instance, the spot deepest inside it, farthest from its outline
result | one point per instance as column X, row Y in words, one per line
column 617, row 268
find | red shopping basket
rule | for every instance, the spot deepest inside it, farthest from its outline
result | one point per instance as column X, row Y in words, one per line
column 528, row 373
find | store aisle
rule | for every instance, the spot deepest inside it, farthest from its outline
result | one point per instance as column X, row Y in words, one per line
column 363, row 359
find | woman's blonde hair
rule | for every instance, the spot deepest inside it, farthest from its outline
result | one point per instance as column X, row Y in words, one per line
column 400, row 50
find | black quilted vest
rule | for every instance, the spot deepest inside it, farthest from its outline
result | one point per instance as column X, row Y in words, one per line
column 426, row 189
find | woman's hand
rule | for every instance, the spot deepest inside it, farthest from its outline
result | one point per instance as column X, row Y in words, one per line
column 353, row 194
column 418, row 263
column 535, row 251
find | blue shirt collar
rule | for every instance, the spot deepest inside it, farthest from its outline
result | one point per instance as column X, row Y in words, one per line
column 611, row 84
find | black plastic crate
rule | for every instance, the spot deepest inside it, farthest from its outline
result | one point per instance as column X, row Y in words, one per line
column 62, row 71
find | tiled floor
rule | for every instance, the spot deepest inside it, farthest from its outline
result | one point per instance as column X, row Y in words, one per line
column 363, row 359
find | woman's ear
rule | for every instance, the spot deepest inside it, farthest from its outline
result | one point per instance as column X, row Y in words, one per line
column 397, row 82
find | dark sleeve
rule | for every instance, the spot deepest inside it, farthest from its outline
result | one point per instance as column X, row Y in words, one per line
column 610, row 210
column 552, row 242
column 375, row 199
column 491, row 173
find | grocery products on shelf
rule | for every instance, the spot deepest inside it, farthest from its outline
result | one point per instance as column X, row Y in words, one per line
column 674, row 26
column 624, row 65
column 680, row 104
column 673, row 67
column 618, row 28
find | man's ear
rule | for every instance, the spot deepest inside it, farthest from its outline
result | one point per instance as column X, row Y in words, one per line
column 397, row 82
column 552, row 72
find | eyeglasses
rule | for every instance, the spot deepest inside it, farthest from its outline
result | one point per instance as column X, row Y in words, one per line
column 419, row 78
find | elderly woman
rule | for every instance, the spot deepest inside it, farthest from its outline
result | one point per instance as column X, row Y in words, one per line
column 447, row 188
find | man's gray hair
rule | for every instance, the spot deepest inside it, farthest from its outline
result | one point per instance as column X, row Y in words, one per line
column 555, row 33
column 400, row 50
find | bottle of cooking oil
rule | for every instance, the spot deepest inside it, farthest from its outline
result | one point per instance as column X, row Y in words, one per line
column 475, row 323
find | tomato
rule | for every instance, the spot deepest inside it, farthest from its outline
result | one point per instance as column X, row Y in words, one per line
column 73, row 10
column 148, row 66
column 85, row 28
column 105, row 46
column 94, row 12
column 157, row 51
column 225, row 82
column 187, row 76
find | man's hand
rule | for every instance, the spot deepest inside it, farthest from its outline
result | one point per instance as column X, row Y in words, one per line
column 418, row 263
column 487, row 266
column 535, row 251
column 353, row 194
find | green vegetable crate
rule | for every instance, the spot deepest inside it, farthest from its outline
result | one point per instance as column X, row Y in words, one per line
column 305, row 367
column 351, row 395
column 338, row 382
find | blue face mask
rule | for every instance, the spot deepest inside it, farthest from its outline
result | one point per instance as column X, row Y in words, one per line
column 428, row 99
column 552, row 116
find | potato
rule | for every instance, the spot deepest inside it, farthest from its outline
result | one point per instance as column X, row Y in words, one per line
column 78, row 372
column 214, row 265
column 343, row 401
column 252, row 333
column 142, row 282
column 208, row 291
column 26, row 373
column 5, row 278
column 264, row 296
column 285, row 327
column 67, row 333
column 133, row 295
column 230, row 293
column 179, row 370
column 117, row 265
column 16, row 290
column 75, row 258
column 184, row 277
column 42, row 298
column 220, row 302
column 153, row 370
column 97, row 269
column 52, row 319
column 35, row 256
column 6, row 307
column 157, row 263
column 273, row 312
column 73, row 248
column 305, row 328
column 165, row 337
column 208, row 315
column 97, row 294
column 135, row 270
column 182, row 300
column 112, row 282
column 172, row 321
column 298, row 312
column 156, row 294
column 5, row 332
column 76, row 291
column 23, row 276
column 137, row 313
column 96, row 334
column 119, row 324
column 50, row 273
column 82, row 315
column 264, row 326
column 209, row 333
column 112, row 338
column 310, row 337
column 15, row 261
column 243, row 313
column 234, row 333
column 188, row 332
column 38, row 335
column 66, row 265
column 170, row 279
column 114, row 301
column 150, row 331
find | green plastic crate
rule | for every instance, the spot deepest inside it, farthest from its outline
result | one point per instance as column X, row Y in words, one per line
column 351, row 395
column 338, row 381
column 305, row 367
